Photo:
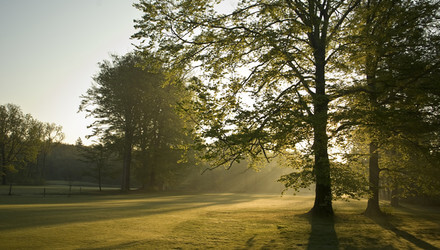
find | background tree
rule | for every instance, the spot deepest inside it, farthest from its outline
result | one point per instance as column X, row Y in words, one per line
column 64, row 164
column 161, row 136
column 397, row 52
column 113, row 101
column 275, row 55
column 135, row 112
column 19, row 139
column 98, row 157
column 51, row 134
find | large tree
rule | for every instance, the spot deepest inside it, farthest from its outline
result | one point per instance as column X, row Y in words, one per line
column 114, row 101
column 135, row 108
column 396, row 58
column 262, row 74
column 160, row 136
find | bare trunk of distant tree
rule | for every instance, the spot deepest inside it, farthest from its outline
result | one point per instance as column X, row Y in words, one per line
column 3, row 166
column 4, row 176
column 373, row 208
column 43, row 166
column 156, row 151
column 152, row 179
column 395, row 197
column 128, row 145
column 99, row 176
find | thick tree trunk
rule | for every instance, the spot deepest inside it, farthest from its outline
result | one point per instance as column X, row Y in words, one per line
column 373, row 208
column 323, row 193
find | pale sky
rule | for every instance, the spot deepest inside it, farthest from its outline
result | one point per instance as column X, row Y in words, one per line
column 49, row 51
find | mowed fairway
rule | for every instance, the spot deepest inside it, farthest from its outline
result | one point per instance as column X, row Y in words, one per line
column 220, row 221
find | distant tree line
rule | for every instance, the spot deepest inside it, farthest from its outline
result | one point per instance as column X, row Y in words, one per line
column 24, row 145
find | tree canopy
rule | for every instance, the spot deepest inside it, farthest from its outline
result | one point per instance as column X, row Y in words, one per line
column 22, row 140
column 135, row 114
column 261, row 71
column 286, row 77
column 397, row 57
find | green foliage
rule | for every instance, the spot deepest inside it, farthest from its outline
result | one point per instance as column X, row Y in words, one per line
column 302, row 175
column 117, row 101
column 409, row 169
column 64, row 164
column 397, row 105
column 304, row 78
column 98, row 157
column 21, row 140
column 348, row 179
column 135, row 105
column 260, row 71
column 113, row 100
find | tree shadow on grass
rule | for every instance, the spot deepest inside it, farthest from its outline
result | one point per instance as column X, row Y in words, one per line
column 422, row 212
column 384, row 222
column 323, row 234
column 67, row 211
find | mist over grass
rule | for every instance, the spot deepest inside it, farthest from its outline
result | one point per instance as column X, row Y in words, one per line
column 238, row 179
column 205, row 220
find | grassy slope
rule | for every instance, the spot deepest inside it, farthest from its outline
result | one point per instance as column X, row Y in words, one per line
column 225, row 221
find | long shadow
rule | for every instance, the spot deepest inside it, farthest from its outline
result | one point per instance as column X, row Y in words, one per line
column 323, row 235
column 89, row 210
column 383, row 221
column 428, row 213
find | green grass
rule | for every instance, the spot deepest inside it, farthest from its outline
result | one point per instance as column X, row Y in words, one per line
column 201, row 221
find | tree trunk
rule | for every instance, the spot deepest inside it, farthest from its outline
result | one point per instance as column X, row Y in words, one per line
column 4, row 177
column 128, row 144
column 395, row 197
column 152, row 180
column 371, row 66
column 43, row 165
column 323, row 193
column 373, row 208
column 3, row 166
column 100, row 176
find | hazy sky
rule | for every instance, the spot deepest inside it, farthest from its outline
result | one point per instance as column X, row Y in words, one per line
column 49, row 50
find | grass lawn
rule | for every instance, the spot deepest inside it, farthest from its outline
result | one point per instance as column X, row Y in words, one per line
column 220, row 221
